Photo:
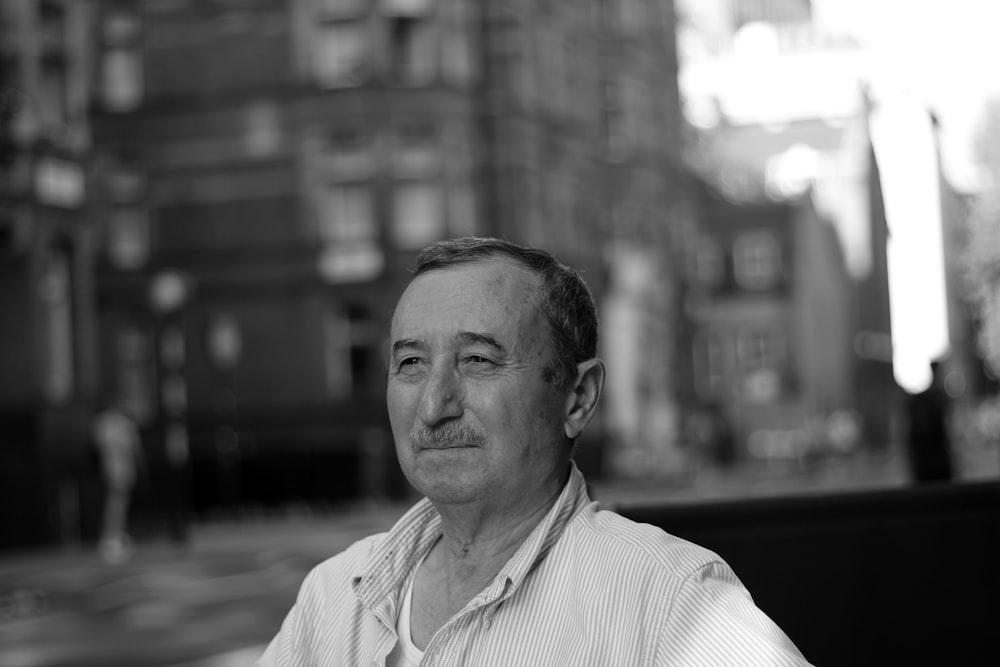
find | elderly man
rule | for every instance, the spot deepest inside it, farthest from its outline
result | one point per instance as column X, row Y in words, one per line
column 493, row 375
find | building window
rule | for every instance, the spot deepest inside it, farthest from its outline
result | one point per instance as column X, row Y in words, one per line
column 584, row 216
column 339, row 9
column 607, row 16
column 632, row 15
column 336, row 354
column 761, row 355
column 462, row 218
column 617, row 120
column 559, row 228
column 350, row 263
column 53, row 94
column 58, row 306
column 348, row 155
column 351, row 356
column 757, row 260
column 346, row 214
column 627, row 16
column 638, row 113
column 758, row 348
column 415, row 152
column 341, row 53
column 52, row 27
column 346, row 221
column 708, row 263
column 124, row 180
column 411, row 41
column 457, row 63
column 363, row 355
column 224, row 341
column 54, row 108
column 128, row 237
column 417, row 214
column 347, row 226
column 406, row 7
column 625, row 111
column 134, row 370
column 262, row 129
column 15, row 229
column 553, row 71
column 121, row 76
column 511, row 65
column 709, row 365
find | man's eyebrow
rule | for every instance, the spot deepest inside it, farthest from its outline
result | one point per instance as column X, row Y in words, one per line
column 404, row 344
column 474, row 337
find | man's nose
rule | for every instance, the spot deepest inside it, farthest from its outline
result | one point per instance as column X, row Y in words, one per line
column 442, row 397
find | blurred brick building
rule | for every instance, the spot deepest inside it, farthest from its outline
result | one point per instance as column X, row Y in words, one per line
column 771, row 309
column 47, row 378
column 781, row 113
column 265, row 171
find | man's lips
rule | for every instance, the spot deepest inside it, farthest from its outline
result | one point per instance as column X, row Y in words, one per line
column 446, row 445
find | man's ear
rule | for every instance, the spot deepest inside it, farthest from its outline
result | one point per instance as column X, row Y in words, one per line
column 581, row 403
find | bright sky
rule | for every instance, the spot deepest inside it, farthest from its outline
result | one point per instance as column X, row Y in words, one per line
column 919, row 56
column 939, row 54
column 944, row 52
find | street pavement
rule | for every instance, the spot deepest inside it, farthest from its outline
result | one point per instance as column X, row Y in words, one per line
column 213, row 603
column 218, row 600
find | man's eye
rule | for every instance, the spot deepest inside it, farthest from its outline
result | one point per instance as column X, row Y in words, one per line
column 408, row 365
column 479, row 360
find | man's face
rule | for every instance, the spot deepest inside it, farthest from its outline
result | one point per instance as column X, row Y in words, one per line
column 472, row 415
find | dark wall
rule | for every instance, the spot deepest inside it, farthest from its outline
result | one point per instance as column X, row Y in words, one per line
column 18, row 381
column 22, row 512
column 894, row 577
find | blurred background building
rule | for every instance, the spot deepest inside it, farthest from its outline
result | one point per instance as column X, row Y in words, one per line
column 208, row 209
column 251, row 182
column 779, row 107
column 47, row 329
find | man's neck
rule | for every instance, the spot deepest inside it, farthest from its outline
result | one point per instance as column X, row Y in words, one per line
column 477, row 538
column 475, row 544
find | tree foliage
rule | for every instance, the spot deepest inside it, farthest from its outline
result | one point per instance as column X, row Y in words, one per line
column 981, row 255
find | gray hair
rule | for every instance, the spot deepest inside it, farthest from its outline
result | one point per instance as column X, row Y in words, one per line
column 564, row 300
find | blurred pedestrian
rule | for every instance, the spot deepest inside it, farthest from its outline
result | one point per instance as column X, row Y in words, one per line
column 119, row 449
column 927, row 439
column 175, row 488
column 493, row 376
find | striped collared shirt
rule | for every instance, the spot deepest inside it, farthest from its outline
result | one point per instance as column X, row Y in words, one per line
column 587, row 587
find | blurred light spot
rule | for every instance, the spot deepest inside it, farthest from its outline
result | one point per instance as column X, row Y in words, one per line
column 792, row 172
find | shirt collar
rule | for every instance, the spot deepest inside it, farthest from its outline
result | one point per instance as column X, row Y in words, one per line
column 394, row 557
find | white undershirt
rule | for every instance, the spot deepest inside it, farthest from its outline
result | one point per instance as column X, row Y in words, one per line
column 405, row 653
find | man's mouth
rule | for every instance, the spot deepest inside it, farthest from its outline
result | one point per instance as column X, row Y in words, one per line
column 446, row 445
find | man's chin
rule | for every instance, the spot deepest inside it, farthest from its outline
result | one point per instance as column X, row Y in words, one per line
column 447, row 486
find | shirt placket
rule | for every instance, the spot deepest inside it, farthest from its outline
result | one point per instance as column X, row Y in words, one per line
column 448, row 646
column 387, row 637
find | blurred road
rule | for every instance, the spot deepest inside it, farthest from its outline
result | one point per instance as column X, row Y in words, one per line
column 216, row 602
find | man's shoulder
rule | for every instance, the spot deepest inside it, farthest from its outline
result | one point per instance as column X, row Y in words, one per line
column 639, row 545
column 338, row 569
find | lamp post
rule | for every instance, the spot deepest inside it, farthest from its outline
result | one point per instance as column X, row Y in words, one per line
column 169, row 292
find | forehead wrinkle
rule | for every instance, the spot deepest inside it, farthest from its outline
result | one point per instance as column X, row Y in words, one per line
column 521, row 303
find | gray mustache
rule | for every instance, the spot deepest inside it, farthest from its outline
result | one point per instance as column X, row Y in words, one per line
column 446, row 434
